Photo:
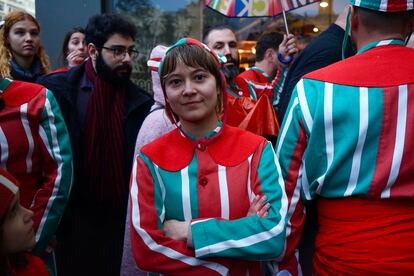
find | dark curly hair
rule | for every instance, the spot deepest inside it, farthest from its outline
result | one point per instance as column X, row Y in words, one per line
column 102, row 26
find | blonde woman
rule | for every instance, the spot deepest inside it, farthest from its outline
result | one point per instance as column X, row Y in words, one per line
column 21, row 55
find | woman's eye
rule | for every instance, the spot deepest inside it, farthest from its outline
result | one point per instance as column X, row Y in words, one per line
column 199, row 77
column 174, row 82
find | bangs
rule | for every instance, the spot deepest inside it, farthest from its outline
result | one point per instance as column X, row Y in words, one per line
column 184, row 54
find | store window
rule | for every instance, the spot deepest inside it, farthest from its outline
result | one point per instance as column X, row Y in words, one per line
column 163, row 22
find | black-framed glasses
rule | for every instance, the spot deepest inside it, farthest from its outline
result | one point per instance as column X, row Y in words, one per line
column 120, row 52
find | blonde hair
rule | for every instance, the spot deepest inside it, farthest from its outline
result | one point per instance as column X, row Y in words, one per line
column 5, row 51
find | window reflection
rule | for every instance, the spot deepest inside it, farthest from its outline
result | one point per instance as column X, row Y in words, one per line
column 163, row 22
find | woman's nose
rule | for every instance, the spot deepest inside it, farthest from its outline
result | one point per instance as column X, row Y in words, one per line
column 28, row 37
column 188, row 87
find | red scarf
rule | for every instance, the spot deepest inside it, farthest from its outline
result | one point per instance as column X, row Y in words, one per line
column 104, row 140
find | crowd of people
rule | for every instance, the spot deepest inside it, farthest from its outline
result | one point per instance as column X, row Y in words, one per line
column 300, row 165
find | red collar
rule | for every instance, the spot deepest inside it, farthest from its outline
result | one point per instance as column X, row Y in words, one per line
column 174, row 152
column 379, row 67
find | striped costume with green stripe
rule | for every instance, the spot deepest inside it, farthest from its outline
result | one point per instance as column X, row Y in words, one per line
column 211, row 186
column 35, row 148
column 349, row 132
column 258, row 83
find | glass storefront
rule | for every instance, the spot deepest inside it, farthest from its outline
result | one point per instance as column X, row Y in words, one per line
column 163, row 22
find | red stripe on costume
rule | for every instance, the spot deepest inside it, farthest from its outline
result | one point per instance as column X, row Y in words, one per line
column 386, row 142
column 238, row 198
column 208, row 188
column 297, row 218
column 254, row 177
column 295, row 163
column 396, row 5
column 405, row 180
column 156, row 58
column 18, row 144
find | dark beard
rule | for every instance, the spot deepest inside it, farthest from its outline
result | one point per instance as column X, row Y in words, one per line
column 230, row 72
column 113, row 76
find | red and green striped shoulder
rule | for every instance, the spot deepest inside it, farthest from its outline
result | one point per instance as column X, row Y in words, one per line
column 16, row 93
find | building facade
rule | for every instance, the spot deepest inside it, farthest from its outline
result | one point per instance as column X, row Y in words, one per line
column 7, row 6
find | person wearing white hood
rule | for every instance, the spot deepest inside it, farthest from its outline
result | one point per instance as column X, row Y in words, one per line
column 155, row 125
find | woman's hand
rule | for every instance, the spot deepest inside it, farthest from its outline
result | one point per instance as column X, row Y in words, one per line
column 176, row 230
column 75, row 58
column 258, row 207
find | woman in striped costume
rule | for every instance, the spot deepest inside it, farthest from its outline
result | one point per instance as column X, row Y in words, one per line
column 35, row 148
column 192, row 188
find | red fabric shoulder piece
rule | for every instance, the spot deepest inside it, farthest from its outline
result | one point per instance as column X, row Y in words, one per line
column 379, row 67
column 18, row 93
column 171, row 152
column 234, row 146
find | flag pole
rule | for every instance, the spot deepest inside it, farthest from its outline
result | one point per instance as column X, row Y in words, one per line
column 284, row 17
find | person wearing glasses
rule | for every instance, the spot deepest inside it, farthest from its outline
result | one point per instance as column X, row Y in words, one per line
column 104, row 111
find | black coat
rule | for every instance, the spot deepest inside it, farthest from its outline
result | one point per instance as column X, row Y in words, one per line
column 91, row 233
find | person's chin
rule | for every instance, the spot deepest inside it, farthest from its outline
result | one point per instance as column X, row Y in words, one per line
column 31, row 242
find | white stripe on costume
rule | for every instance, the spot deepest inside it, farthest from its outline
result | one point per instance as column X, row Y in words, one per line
column 162, row 188
column 384, row 42
column 399, row 140
column 249, row 188
column 4, row 149
column 384, row 5
column 409, row 4
column 26, row 127
column 304, row 105
column 185, row 194
column 153, row 245
column 153, row 63
column 329, row 136
column 54, row 152
column 224, row 193
column 8, row 184
column 362, row 134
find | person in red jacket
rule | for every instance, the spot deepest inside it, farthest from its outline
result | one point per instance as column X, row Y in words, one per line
column 16, row 232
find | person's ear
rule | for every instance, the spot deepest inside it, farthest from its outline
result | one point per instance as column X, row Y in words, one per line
column 269, row 54
column 92, row 51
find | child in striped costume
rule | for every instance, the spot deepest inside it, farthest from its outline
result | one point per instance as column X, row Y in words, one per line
column 35, row 148
column 191, row 189
column 17, row 235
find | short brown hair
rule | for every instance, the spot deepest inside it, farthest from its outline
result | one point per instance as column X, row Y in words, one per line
column 193, row 56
